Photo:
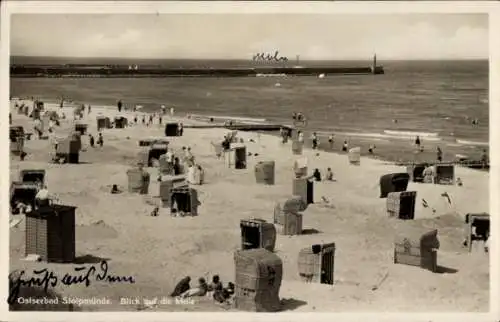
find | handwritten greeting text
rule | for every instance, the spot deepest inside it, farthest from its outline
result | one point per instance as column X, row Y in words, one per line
column 45, row 278
column 269, row 58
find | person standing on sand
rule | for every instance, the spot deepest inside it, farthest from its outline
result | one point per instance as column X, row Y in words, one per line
column 417, row 141
column 439, row 154
column 89, row 109
column 143, row 119
column 331, row 141
column 91, row 140
column 163, row 109
column 171, row 112
column 150, row 119
column 181, row 129
column 484, row 159
column 300, row 137
column 315, row 141
column 345, row 146
column 135, row 119
column 159, row 119
column 119, row 105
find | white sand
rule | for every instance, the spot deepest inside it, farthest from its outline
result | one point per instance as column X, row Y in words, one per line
column 159, row 251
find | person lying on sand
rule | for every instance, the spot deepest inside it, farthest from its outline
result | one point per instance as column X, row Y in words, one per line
column 181, row 287
column 200, row 290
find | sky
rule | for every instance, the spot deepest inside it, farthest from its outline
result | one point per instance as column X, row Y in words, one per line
column 239, row 36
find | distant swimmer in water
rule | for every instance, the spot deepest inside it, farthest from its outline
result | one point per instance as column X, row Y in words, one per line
column 394, row 121
column 475, row 122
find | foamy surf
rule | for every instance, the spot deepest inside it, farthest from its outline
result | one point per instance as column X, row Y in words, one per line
column 406, row 134
column 466, row 142
column 378, row 136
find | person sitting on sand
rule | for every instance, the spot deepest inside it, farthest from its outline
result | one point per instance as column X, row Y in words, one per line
column 439, row 154
column 181, row 287
column 100, row 140
column 200, row 290
column 345, row 146
column 317, row 175
column 216, row 284
column 315, row 141
column 329, row 174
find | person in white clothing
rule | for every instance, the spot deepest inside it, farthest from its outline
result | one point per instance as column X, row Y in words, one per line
column 172, row 111
column 301, row 137
column 42, row 198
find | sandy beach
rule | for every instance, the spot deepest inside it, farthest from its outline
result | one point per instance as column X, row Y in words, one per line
column 158, row 251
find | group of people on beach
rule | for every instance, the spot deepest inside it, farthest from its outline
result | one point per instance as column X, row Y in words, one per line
column 315, row 141
column 215, row 289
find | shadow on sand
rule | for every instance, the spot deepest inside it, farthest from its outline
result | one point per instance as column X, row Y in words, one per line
column 89, row 259
column 446, row 270
column 310, row 231
column 291, row 304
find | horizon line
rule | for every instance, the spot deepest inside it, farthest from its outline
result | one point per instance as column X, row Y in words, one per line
column 220, row 59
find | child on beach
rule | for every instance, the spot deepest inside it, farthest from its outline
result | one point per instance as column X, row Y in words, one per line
column 100, row 140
